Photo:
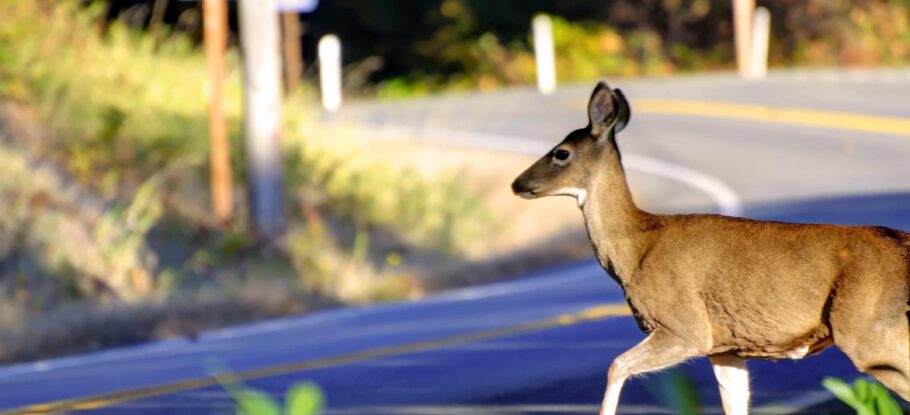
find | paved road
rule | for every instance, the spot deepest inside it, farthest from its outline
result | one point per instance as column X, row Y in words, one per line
column 541, row 344
column 762, row 162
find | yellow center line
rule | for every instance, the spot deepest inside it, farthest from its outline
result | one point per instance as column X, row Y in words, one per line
column 108, row 399
column 796, row 116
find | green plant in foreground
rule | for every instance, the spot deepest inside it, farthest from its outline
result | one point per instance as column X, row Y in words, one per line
column 867, row 398
column 675, row 390
column 303, row 398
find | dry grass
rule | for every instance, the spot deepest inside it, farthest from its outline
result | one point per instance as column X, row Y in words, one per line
column 516, row 223
column 522, row 235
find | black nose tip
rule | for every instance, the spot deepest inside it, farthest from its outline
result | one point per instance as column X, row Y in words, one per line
column 518, row 186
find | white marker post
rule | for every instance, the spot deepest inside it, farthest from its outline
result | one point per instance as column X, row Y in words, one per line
column 544, row 54
column 742, row 34
column 330, row 72
column 761, row 35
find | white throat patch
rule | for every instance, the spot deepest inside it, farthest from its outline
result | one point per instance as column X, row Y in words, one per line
column 579, row 194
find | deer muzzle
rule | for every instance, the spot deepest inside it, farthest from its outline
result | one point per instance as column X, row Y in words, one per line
column 524, row 189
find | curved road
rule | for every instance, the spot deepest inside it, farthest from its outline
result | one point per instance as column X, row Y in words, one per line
column 801, row 146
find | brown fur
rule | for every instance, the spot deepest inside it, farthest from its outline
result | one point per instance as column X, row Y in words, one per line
column 717, row 285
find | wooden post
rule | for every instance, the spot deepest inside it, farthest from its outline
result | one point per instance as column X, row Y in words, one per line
column 158, row 10
column 215, row 24
column 742, row 32
column 262, row 113
column 293, row 60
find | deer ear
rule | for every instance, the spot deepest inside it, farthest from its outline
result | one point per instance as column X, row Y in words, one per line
column 602, row 110
column 624, row 111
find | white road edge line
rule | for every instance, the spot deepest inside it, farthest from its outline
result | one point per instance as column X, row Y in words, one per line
column 794, row 405
column 727, row 200
column 571, row 274
column 499, row 409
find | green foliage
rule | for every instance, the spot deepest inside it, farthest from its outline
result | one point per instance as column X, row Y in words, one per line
column 253, row 402
column 584, row 51
column 866, row 398
column 675, row 390
column 476, row 44
column 303, row 398
column 869, row 33
column 430, row 45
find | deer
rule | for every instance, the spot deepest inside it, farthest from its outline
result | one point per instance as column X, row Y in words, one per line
column 729, row 288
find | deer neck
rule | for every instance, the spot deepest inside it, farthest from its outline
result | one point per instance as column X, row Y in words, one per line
column 613, row 221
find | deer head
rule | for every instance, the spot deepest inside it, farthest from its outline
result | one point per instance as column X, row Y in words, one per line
column 567, row 169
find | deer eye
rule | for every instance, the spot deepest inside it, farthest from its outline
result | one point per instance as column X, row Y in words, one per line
column 561, row 154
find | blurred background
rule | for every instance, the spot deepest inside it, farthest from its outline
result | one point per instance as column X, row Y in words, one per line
column 130, row 178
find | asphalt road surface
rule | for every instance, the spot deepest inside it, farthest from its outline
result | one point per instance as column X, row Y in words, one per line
column 800, row 146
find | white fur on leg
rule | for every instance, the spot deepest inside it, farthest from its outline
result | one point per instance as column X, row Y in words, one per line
column 611, row 396
column 657, row 351
column 733, row 379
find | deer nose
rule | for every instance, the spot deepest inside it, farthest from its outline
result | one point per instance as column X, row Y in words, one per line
column 523, row 188
column 518, row 186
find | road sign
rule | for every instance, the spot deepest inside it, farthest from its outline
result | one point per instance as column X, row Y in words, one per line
column 299, row 6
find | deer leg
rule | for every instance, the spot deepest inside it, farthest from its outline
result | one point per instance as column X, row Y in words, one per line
column 733, row 379
column 657, row 351
column 875, row 335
